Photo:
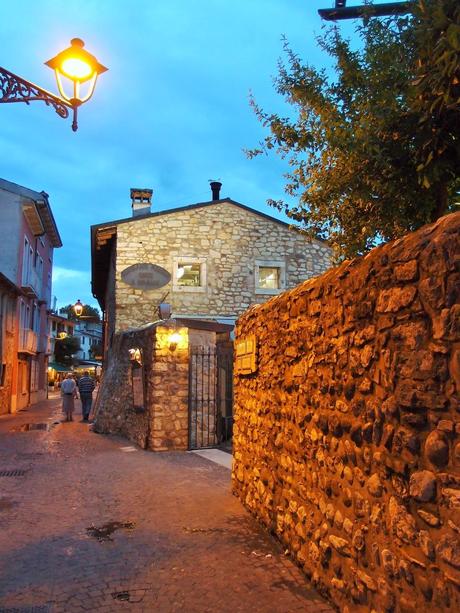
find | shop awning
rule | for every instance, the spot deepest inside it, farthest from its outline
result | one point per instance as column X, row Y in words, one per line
column 59, row 367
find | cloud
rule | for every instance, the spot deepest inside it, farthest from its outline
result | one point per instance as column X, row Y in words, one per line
column 67, row 274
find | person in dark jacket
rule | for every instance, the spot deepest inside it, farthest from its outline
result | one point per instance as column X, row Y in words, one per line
column 86, row 387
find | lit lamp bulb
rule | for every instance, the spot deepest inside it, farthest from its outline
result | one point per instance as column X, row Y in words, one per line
column 174, row 340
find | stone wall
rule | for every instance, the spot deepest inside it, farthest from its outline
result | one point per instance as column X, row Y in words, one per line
column 347, row 438
column 162, row 423
column 228, row 239
column 114, row 408
column 169, row 388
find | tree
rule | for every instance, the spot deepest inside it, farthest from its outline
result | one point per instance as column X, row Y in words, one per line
column 436, row 97
column 360, row 147
column 88, row 312
column 96, row 350
column 65, row 349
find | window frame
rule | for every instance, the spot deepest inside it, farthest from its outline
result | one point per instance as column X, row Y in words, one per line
column 281, row 266
column 197, row 289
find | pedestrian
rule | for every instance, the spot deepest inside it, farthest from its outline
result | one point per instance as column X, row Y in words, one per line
column 68, row 393
column 86, row 387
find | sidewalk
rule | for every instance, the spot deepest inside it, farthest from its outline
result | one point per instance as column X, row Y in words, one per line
column 93, row 523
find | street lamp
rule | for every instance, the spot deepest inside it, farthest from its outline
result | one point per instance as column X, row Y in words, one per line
column 78, row 308
column 75, row 64
column 341, row 11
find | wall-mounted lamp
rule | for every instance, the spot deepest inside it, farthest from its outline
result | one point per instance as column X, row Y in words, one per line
column 164, row 310
column 174, row 340
column 74, row 64
column 135, row 355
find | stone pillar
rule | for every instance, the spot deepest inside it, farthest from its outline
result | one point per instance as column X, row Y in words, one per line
column 169, row 390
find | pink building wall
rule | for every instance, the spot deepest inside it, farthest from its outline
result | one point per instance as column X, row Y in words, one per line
column 25, row 215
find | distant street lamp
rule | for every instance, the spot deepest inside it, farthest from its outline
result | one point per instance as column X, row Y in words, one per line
column 78, row 308
column 75, row 64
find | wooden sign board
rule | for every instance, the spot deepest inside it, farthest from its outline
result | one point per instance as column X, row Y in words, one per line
column 145, row 276
column 246, row 356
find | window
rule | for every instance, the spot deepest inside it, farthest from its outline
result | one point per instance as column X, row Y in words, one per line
column 35, row 318
column 189, row 274
column 39, row 266
column 34, row 373
column 270, row 276
column 27, row 261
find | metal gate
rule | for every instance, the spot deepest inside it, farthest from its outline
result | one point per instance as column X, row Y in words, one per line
column 210, row 395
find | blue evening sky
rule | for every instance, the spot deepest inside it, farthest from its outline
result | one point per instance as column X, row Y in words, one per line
column 171, row 113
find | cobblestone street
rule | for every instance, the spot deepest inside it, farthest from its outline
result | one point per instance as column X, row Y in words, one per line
column 172, row 537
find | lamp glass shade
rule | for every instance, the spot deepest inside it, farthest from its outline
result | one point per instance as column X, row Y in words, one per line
column 76, row 64
column 78, row 308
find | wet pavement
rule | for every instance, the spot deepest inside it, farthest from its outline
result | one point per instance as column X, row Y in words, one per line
column 93, row 523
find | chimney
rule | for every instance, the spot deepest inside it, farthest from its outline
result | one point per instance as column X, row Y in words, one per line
column 141, row 201
column 215, row 188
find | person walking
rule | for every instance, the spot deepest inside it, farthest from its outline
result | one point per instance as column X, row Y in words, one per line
column 86, row 387
column 68, row 393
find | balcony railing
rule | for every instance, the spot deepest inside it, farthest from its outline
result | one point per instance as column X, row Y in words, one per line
column 31, row 284
column 27, row 341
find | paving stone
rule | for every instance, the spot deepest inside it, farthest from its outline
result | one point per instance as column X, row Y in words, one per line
column 193, row 549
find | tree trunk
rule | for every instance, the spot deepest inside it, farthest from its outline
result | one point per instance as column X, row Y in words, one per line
column 442, row 201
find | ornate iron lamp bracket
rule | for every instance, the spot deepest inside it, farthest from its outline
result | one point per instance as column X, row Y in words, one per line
column 16, row 89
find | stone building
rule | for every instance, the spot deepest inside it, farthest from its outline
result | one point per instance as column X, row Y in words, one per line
column 209, row 260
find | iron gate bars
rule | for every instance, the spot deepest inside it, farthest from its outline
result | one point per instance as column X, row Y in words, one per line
column 202, row 397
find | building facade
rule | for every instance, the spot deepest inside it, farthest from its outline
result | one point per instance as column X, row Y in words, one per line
column 214, row 260
column 9, row 293
column 29, row 237
column 89, row 334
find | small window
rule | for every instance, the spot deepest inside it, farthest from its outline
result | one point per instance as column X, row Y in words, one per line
column 269, row 277
column 189, row 274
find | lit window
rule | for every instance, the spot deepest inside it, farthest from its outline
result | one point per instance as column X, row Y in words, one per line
column 188, row 274
column 269, row 277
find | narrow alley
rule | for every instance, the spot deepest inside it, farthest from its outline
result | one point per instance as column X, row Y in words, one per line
column 92, row 523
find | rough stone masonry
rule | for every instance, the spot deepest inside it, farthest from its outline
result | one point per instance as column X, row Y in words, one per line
column 347, row 437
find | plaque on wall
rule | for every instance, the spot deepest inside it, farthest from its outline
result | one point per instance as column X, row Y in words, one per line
column 145, row 276
column 246, row 356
